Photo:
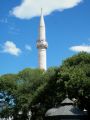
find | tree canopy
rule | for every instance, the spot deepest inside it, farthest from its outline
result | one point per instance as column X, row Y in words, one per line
column 40, row 90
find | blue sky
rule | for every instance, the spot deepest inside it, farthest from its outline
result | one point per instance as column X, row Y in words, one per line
column 67, row 30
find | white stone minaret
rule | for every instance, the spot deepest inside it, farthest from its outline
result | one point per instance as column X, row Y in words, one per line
column 42, row 44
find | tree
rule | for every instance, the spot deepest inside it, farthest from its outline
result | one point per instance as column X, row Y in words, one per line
column 28, row 81
column 75, row 71
column 72, row 78
column 8, row 89
column 40, row 90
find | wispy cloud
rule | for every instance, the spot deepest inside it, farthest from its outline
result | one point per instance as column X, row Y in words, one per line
column 81, row 48
column 13, row 30
column 12, row 27
column 89, row 39
column 11, row 48
column 4, row 20
column 28, row 47
column 31, row 8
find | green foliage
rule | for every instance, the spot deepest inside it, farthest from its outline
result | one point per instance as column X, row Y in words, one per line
column 76, row 72
column 33, row 86
column 8, row 83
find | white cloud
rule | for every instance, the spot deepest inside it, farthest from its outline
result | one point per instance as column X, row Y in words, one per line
column 31, row 8
column 81, row 48
column 28, row 47
column 11, row 48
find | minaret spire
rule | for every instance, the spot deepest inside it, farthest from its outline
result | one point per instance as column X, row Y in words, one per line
column 42, row 34
column 42, row 44
column 42, row 23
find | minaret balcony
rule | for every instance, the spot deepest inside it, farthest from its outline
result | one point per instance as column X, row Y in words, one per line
column 42, row 44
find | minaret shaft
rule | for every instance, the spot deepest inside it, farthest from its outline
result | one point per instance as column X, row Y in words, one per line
column 42, row 44
column 42, row 58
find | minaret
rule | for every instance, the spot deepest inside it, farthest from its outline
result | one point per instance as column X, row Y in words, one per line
column 42, row 44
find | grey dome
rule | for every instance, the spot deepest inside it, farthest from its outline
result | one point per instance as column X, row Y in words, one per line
column 66, row 110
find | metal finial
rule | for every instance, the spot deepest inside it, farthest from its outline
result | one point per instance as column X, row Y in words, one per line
column 41, row 10
column 67, row 95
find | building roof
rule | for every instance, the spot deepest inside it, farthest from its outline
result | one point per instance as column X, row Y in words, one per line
column 66, row 109
column 67, row 101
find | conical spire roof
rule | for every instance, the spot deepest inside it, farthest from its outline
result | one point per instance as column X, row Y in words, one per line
column 42, row 31
column 67, row 101
column 42, row 23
